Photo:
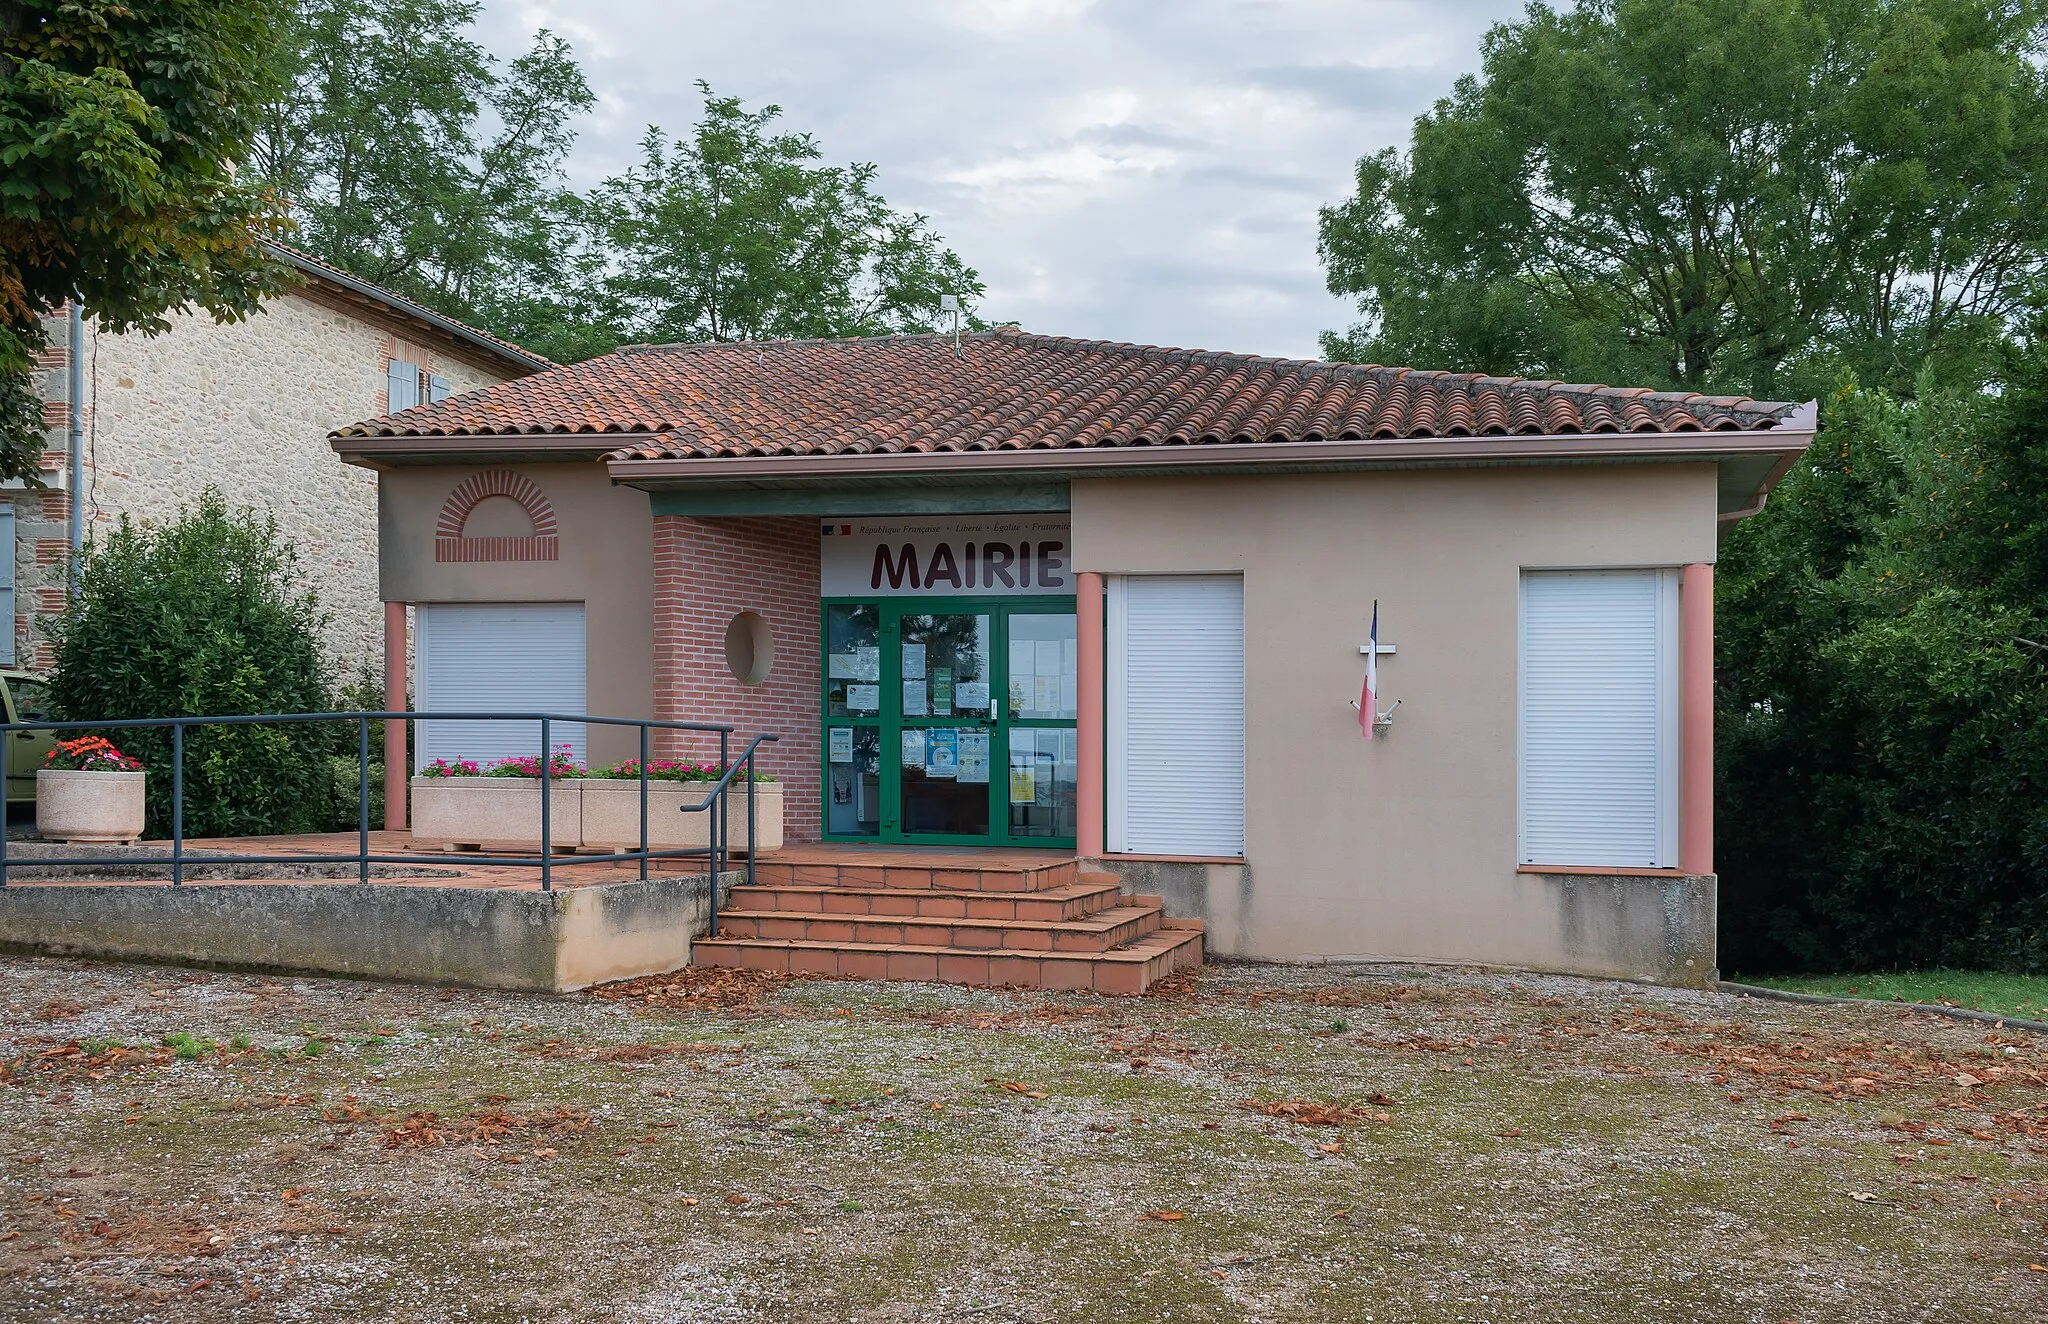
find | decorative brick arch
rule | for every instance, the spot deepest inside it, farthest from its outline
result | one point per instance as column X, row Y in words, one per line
column 450, row 545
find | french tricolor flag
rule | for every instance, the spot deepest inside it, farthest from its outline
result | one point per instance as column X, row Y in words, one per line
column 1368, row 699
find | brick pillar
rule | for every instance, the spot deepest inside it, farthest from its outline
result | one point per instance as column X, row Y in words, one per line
column 706, row 572
column 1696, row 721
column 1090, row 727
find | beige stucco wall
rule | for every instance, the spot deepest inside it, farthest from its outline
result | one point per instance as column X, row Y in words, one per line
column 1406, row 848
column 607, row 563
column 247, row 406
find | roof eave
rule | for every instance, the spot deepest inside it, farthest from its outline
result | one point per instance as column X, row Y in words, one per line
column 503, row 351
column 1781, row 444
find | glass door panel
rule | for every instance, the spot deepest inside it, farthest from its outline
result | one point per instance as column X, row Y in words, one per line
column 853, row 661
column 1042, row 802
column 944, row 660
column 1044, row 667
column 853, row 801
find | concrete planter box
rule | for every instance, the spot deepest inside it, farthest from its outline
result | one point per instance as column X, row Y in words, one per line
column 89, row 806
column 611, row 815
column 494, row 813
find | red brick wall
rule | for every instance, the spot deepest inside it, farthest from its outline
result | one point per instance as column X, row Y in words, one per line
column 706, row 571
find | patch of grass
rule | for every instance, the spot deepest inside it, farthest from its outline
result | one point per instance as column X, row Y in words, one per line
column 1979, row 990
column 187, row 1048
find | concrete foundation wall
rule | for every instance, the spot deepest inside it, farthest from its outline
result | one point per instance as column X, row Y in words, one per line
column 478, row 937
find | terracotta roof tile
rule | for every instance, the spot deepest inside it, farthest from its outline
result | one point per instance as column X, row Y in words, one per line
column 1011, row 390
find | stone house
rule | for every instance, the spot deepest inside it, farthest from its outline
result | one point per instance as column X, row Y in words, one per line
column 245, row 406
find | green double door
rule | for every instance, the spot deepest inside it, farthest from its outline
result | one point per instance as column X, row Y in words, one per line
column 950, row 720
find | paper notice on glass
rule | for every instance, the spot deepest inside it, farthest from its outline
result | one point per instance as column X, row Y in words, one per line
column 840, row 666
column 867, row 664
column 1023, row 661
column 864, row 698
column 913, row 748
column 914, row 699
column 942, row 691
column 1023, row 784
column 942, row 754
column 841, row 744
column 1070, row 749
column 1070, row 695
column 1048, row 659
column 1045, row 700
column 913, row 661
column 973, row 755
column 1070, row 657
column 971, row 696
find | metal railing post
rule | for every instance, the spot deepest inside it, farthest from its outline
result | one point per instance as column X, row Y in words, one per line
column 547, row 826
column 363, row 798
column 753, row 841
column 643, row 802
column 177, row 804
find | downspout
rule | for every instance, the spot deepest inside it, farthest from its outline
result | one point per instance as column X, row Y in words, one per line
column 75, row 451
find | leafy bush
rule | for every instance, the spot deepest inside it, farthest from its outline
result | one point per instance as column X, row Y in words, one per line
column 1882, row 686
column 201, row 617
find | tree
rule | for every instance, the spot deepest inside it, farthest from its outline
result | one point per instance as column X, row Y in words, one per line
column 736, row 234
column 411, row 158
column 1882, row 687
column 200, row 618
column 1714, row 194
column 119, row 128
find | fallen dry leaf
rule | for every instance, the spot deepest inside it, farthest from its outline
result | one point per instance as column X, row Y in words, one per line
column 1162, row 1215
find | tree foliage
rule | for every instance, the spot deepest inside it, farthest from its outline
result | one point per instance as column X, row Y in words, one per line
column 1720, row 194
column 411, row 157
column 201, row 618
column 738, row 233
column 120, row 124
column 1883, row 690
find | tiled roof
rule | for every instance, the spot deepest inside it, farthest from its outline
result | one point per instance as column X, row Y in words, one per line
column 1010, row 390
column 398, row 303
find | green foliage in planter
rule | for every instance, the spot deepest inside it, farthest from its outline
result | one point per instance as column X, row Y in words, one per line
column 201, row 617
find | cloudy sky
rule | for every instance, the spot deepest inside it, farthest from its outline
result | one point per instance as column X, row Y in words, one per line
column 1144, row 170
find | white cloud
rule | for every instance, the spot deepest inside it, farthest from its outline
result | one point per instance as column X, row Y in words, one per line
column 1129, row 169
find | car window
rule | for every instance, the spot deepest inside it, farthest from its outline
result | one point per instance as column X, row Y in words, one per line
column 31, row 701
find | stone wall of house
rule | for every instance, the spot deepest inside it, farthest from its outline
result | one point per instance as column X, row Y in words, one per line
column 246, row 407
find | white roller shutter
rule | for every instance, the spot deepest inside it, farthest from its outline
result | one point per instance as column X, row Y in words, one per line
column 7, row 582
column 1599, row 705
column 1176, row 714
column 499, row 657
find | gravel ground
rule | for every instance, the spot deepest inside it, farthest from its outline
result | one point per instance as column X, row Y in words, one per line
column 1258, row 1143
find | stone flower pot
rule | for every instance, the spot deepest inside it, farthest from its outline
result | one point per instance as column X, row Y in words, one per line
column 89, row 806
column 494, row 813
column 611, row 815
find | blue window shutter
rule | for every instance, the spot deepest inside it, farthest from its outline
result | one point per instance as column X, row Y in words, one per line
column 7, row 643
column 402, row 389
column 437, row 389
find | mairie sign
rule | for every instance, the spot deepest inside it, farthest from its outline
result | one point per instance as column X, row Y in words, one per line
column 943, row 556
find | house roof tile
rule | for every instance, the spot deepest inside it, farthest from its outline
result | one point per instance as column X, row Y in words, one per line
column 1009, row 390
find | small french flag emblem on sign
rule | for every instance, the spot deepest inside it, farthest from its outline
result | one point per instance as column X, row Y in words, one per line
column 842, row 529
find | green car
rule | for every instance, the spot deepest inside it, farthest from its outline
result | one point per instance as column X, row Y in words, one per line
column 26, row 701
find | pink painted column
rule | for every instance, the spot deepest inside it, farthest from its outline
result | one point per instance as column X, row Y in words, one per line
column 1088, row 778
column 1696, row 719
column 396, row 772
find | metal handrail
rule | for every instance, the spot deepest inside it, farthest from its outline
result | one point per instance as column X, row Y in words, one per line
column 717, row 850
column 719, row 828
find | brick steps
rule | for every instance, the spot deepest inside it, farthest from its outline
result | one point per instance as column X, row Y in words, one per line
column 1045, row 877
column 1052, row 904
column 1125, row 971
column 963, row 917
column 1116, row 926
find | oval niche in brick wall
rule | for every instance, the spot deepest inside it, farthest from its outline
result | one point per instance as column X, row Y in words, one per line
column 455, row 540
